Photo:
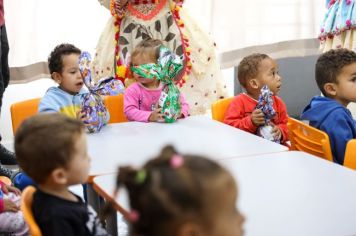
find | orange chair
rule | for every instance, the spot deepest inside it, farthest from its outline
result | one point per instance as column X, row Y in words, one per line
column 115, row 105
column 26, row 208
column 304, row 137
column 350, row 154
column 218, row 108
column 23, row 110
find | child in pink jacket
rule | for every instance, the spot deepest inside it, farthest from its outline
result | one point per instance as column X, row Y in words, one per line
column 141, row 98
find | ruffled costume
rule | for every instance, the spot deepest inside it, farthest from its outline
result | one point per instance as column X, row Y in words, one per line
column 201, row 80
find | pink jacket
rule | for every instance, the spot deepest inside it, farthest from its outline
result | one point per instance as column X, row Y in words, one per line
column 140, row 101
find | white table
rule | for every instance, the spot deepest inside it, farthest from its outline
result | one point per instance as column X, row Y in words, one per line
column 286, row 193
column 133, row 143
column 294, row 193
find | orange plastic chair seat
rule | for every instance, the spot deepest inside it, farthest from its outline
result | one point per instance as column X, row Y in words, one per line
column 23, row 110
column 26, row 208
column 218, row 108
column 304, row 137
column 350, row 154
column 115, row 105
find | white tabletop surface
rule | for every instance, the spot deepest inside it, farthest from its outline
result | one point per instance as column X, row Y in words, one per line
column 294, row 193
column 287, row 193
column 132, row 143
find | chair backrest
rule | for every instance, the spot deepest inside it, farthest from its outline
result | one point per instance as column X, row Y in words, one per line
column 115, row 105
column 23, row 110
column 26, row 208
column 304, row 137
column 218, row 108
column 350, row 154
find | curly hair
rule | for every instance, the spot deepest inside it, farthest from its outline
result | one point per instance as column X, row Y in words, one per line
column 330, row 64
column 55, row 59
column 249, row 67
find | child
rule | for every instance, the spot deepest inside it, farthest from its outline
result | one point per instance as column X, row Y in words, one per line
column 201, row 79
column 11, row 218
column 64, row 68
column 181, row 195
column 254, row 72
column 141, row 98
column 51, row 149
column 335, row 74
column 67, row 97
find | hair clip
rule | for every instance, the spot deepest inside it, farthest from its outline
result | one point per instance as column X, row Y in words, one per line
column 140, row 176
column 133, row 216
column 176, row 161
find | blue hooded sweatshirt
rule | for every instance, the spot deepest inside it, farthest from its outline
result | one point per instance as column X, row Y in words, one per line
column 331, row 117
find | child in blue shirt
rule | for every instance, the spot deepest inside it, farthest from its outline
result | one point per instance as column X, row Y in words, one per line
column 64, row 68
column 335, row 74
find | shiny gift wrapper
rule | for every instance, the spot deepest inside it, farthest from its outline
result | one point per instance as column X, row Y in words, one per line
column 166, row 70
column 265, row 104
column 92, row 104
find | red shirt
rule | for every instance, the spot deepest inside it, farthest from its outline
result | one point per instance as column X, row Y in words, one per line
column 239, row 112
column 2, row 19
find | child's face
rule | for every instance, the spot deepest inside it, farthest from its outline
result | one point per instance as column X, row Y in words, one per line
column 345, row 88
column 78, row 168
column 70, row 80
column 142, row 59
column 228, row 219
column 268, row 75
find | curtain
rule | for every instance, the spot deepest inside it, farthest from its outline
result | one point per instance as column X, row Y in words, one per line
column 35, row 27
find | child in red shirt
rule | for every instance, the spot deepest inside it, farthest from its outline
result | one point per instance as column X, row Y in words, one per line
column 255, row 71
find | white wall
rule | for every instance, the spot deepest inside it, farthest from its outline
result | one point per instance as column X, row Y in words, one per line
column 16, row 93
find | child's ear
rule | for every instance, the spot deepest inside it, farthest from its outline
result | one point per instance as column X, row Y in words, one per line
column 59, row 176
column 330, row 88
column 253, row 83
column 57, row 77
column 190, row 229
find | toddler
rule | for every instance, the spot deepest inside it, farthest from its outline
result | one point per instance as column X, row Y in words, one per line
column 335, row 74
column 181, row 196
column 52, row 150
column 255, row 72
column 141, row 98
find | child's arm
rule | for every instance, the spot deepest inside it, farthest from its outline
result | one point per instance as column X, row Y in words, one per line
column 236, row 116
column 131, row 105
column 6, row 204
column 339, row 134
column 185, row 106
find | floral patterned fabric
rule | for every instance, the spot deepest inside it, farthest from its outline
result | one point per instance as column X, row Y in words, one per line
column 338, row 27
column 203, row 85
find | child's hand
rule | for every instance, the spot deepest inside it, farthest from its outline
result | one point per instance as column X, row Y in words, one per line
column 156, row 115
column 276, row 132
column 257, row 117
column 7, row 188
column 10, row 206
column 82, row 116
